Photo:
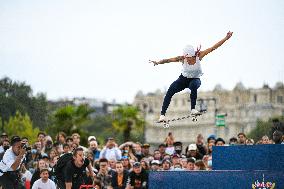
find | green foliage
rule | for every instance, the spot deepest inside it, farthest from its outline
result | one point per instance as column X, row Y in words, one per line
column 127, row 120
column 70, row 119
column 22, row 126
column 101, row 127
column 17, row 96
column 263, row 128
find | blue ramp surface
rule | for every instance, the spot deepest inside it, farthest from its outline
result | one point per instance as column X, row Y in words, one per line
column 214, row 179
column 256, row 157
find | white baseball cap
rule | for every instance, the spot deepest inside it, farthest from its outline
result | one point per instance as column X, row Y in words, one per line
column 192, row 147
column 92, row 138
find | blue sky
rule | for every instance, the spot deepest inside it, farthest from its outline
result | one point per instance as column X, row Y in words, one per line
column 101, row 48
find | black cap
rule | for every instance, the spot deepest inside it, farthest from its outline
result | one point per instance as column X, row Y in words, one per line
column 4, row 134
column 219, row 140
column 177, row 143
column 166, row 160
column 15, row 139
column 136, row 164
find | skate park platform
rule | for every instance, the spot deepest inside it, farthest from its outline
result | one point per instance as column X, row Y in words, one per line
column 257, row 166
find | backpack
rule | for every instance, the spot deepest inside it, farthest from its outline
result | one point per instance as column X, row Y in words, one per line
column 61, row 163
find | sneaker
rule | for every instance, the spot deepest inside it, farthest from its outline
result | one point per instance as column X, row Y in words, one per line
column 194, row 112
column 162, row 118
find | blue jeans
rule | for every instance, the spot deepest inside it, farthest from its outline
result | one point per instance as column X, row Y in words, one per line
column 180, row 84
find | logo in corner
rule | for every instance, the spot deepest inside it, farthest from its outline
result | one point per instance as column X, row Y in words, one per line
column 263, row 185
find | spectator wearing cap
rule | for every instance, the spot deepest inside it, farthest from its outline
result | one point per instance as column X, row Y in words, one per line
column 166, row 164
column 119, row 176
column 3, row 137
column 200, row 144
column 146, row 150
column 233, row 141
column 111, row 150
column 219, row 142
column 155, row 165
column 10, row 164
column 93, row 147
column 190, row 164
column 92, row 138
column 242, row 139
column 178, row 147
column 138, row 177
column 192, row 151
column 162, row 150
column 249, row 141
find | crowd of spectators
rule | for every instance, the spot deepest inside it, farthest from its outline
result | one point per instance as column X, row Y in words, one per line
column 109, row 165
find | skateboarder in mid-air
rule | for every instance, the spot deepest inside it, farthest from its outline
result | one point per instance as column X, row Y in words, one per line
column 190, row 74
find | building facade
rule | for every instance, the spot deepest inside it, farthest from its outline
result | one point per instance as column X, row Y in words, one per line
column 241, row 107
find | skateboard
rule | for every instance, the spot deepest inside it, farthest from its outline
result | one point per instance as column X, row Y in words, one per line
column 87, row 187
column 166, row 124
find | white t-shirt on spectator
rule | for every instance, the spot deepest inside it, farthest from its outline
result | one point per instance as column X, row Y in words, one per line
column 28, row 175
column 38, row 184
column 170, row 150
column 111, row 153
column 8, row 159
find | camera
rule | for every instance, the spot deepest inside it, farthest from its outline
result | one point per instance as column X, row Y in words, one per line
column 26, row 147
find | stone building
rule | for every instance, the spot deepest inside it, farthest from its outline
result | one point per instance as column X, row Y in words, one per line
column 242, row 107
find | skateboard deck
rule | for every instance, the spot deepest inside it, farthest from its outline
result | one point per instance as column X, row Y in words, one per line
column 166, row 124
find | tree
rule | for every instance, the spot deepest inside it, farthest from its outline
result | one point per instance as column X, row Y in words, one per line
column 17, row 96
column 126, row 120
column 265, row 128
column 101, row 127
column 70, row 119
column 22, row 126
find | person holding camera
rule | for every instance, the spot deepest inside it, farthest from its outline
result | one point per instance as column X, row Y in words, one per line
column 10, row 164
column 111, row 151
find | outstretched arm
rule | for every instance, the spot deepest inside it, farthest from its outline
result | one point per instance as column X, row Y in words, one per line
column 214, row 47
column 175, row 59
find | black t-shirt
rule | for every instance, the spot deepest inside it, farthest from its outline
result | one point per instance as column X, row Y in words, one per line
column 139, row 181
column 74, row 174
